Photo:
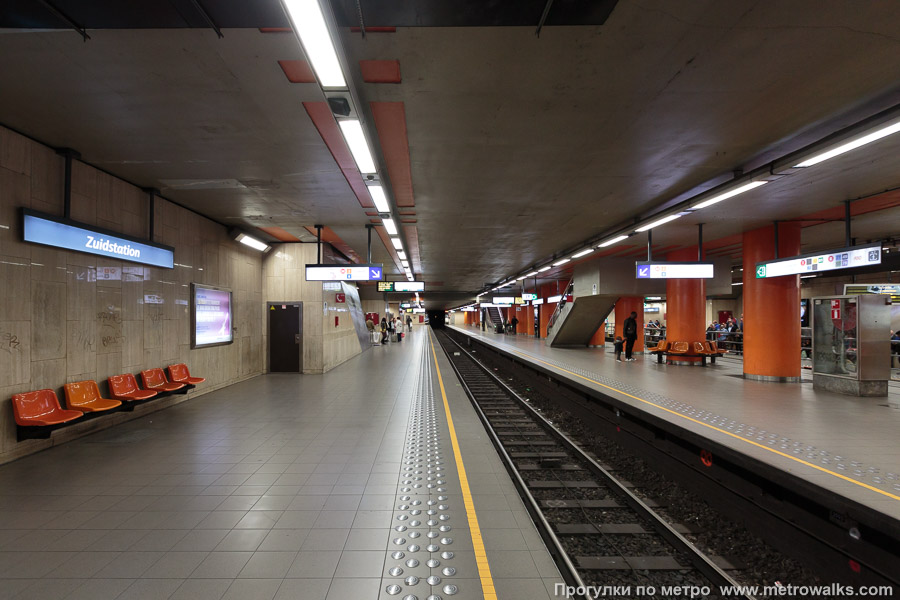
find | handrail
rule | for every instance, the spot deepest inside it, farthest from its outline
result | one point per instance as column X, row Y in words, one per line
column 559, row 306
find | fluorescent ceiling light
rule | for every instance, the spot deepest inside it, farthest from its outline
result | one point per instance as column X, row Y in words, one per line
column 532, row 274
column 405, row 264
column 806, row 276
column 615, row 240
column 582, row 253
column 561, row 262
column 389, row 226
column 401, row 254
column 547, row 268
column 252, row 242
column 739, row 283
column 658, row 222
column 521, row 278
column 730, row 194
column 377, row 193
column 397, row 243
column 359, row 147
column 306, row 17
column 851, row 145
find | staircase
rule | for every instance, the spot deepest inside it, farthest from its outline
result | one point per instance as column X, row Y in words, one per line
column 573, row 324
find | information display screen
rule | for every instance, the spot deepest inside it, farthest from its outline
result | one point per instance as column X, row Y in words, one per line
column 211, row 316
column 39, row 228
column 504, row 299
column 385, row 286
column 671, row 270
column 344, row 272
column 409, row 286
column 844, row 258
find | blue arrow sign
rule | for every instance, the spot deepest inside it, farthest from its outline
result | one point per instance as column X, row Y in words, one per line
column 643, row 272
column 374, row 274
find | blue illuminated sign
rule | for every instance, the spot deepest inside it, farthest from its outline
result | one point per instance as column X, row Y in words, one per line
column 49, row 231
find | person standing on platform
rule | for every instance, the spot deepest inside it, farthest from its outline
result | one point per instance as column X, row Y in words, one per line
column 408, row 323
column 384, row 330
column 618, row 347
column 629, row 330
column 514, row 323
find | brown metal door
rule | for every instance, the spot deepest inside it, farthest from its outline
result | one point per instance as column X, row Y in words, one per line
column 285, row 337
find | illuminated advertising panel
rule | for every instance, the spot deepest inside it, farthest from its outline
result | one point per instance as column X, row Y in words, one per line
column 39, row 228
column 344, row 272
column 504, row 300
column 807, row 264
column 211, row 316
column 409, row 286
column 672, row 270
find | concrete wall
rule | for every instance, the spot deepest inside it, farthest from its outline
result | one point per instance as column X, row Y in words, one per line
column 67, row 316
column 325, row 344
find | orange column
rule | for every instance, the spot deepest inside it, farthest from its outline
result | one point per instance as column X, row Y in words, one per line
column 624, row 306
column 546, row 311
column 771, row 308
column 599, row 338
column 685, row 307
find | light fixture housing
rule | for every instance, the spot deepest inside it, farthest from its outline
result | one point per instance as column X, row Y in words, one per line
column 252, row 242
column 873, row 135
column 614, row 240
column 398, row 244
column 584, row 252
column 542, row 269
column 658, row 222
column 401, row 254
column 308, row 22
column 389, row 226
column 378, row 197
column 359, row 146
column 729, row 194
column 561, row 262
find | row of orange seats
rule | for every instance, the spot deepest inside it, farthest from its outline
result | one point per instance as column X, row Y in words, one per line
column 41, row 408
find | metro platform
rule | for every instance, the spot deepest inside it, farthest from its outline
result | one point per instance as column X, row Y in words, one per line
column 283, row 486
column 843, row 444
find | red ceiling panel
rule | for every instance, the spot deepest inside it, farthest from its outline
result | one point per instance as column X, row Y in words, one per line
column 321, row 117
column 390, row 121
column 279, row 234
column 380, row 71
column 297, row 71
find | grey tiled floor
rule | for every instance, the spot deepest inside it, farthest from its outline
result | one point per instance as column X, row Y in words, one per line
column 854, row 437
column 284, row 487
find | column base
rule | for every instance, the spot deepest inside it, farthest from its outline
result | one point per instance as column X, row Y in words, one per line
column 685, row 362
column 850, row 387
column 771, row 378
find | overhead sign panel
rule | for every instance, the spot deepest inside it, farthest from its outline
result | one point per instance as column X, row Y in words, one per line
column 409, row 286
column 39, row 228
column 844, row 258
column 506, row 300
column 344, row 272
column 889, row 289
column 673, row 270
column 529, row 297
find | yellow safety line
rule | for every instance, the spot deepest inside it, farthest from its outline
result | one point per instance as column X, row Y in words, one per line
column 484, row 569
column 713, row 427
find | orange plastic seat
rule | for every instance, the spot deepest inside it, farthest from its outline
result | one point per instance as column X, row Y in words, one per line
column 181, row 374
column 679, row 348
column 155, row 379
column 702, row 349
column 715, row 349
column 125, row 387
column 85, row 396
column 661, row 346
column 41, row 408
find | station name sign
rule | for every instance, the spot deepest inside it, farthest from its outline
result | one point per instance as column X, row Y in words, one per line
column 39, row 228
column 673, row 270
column 844, row 258
column 344, row 272
column 401, row 286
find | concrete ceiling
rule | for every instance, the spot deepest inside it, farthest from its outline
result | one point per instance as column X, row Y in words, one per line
column 520, row 147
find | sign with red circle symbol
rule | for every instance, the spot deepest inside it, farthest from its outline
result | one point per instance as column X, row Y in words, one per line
column 830, row 258
column 706, row 458
column 802, row 262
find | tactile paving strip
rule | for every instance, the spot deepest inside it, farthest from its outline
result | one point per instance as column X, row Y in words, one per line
column 420, row 562
column 854, row 469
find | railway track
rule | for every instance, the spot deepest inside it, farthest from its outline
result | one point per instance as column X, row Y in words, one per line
column 601, row 535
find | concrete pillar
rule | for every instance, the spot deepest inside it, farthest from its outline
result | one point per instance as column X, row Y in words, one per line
column 685, row 307
column 771, row 307
column 624, row 306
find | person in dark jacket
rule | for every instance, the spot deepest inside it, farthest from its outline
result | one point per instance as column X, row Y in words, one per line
column 630, row 332
column 514, row 323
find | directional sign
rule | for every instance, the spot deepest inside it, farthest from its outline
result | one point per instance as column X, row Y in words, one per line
column 344, row 272
column 842, row 258
column 528, row 297
column 670, row 270
column 409, row 286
